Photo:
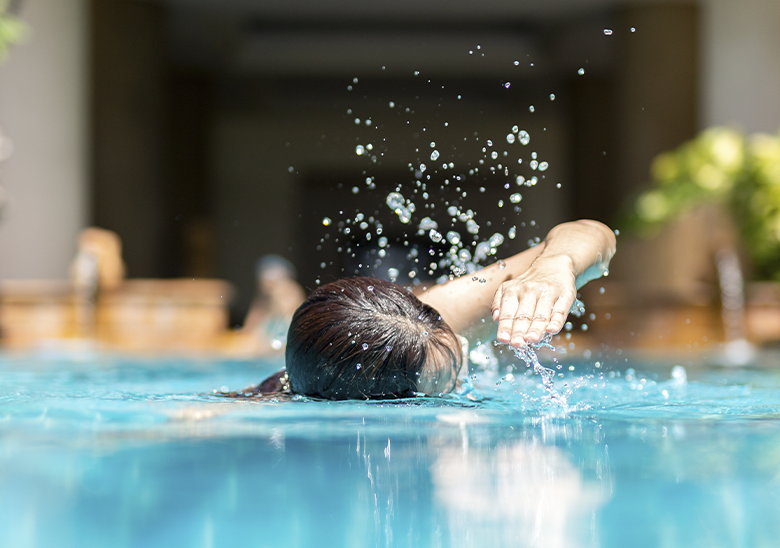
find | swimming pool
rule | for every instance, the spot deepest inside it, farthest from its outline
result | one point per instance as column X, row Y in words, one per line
column 106, row 451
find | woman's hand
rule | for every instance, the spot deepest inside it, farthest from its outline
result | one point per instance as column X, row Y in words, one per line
column 536, row 302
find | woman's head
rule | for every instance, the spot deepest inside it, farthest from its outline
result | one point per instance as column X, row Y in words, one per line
column 367, row 338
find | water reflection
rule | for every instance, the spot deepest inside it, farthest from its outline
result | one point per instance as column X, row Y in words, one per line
column 522, row 494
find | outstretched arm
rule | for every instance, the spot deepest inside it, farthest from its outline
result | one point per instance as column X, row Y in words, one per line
column 529, row 294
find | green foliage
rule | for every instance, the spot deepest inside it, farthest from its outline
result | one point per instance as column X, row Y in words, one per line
column 721, row 166
column 12, row 30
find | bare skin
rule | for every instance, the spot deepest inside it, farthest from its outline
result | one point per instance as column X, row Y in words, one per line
column 531, row 293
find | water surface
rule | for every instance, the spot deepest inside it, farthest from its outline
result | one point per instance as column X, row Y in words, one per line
column 105, row 451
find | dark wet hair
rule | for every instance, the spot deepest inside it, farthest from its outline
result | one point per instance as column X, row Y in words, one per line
column 361, row 337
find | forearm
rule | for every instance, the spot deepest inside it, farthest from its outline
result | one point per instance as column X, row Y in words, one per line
column 585, row 246
column 464, row 301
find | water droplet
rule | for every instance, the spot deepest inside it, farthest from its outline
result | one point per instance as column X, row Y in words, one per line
column 515, row 198
column 489, row 143
column 435, row 236
column 632, row 29
column 364, row 346
column 517, row 63
column 434, row 155
column 533, row 164
column 607, row 32
column 472, row 227
column 507, row 85
column 482, row 252
column 501, row 265
column 510, row 138
column 355, row 190
column 358, row 366
column 453, row 237
column 395, row 200
column 326, row 221
column 392, row 104
column 393, row 273
column 357, row 121
column 494, row 154
column 496, row 240
column 568, row 326
column 552, row 97
column 543, row 166
column 520, row 180
column 581, row 71
column 512, row 232
column 426, row 223
column 531, row 108
column 524, row 137
column 360, row 150
column 679, row 375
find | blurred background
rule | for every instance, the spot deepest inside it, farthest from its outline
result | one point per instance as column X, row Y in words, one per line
column 207, row 134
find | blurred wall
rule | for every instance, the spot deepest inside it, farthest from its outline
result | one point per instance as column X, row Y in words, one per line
column 129, row 168
column 43, row 109
column 741, row 64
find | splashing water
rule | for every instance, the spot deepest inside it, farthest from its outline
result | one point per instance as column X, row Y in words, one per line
column 527, row 353
column 456, row 244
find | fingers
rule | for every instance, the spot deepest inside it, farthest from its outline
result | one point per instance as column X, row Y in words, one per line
column 521, row 318
column 505, row 307
column 496, row 306
column 543, row 314
column 559, row 313
column 526, row 318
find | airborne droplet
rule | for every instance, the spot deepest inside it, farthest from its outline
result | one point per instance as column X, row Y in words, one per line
column 523, row 137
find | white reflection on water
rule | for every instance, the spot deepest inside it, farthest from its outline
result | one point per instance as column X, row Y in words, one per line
column 520, row 493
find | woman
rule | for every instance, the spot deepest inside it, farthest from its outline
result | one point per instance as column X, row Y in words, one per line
column 361, row 338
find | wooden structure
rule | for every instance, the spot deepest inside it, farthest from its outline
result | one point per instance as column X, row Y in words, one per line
column 154, row 315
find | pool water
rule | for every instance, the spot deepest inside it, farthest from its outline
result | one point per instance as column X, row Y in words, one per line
column 102, row 451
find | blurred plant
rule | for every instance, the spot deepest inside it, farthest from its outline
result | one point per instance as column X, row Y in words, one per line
column 12, row 30
column 722, row 166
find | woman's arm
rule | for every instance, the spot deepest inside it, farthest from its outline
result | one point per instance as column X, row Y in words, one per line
column 530, row 294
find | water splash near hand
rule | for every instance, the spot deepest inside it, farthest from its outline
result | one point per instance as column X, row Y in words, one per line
column 527, row 353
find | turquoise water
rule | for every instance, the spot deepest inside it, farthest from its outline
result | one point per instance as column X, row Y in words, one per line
column 104, row 451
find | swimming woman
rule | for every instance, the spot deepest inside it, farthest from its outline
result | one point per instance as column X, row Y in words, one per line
column 359, row 338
